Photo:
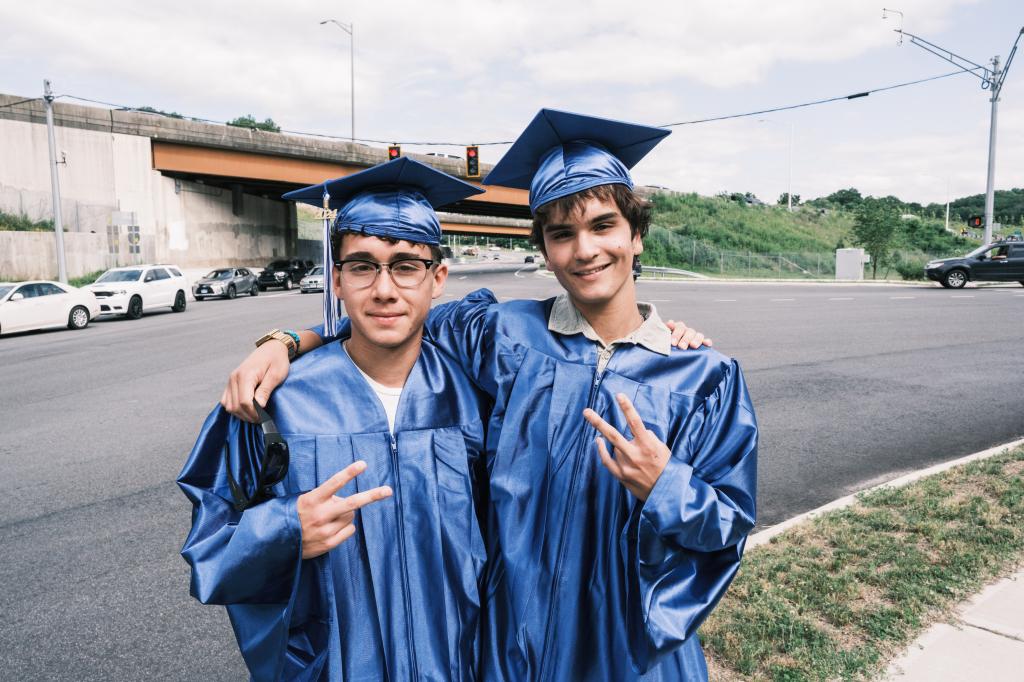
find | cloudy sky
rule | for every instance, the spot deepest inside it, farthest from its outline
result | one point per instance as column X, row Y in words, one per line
column 472, row 71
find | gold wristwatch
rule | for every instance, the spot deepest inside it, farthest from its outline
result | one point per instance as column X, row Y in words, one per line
column 288, row 339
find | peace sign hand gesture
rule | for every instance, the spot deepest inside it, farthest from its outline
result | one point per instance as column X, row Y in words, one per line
column 637, row 463
column 326, row 519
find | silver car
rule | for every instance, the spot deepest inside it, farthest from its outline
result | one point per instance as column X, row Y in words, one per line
column 226, row 283
column 313, row 281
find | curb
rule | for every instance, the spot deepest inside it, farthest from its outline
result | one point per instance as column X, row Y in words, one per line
column 764, row 536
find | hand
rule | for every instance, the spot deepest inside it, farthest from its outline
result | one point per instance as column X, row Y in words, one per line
column 683, row 337
column 637, row 463
column 258, row 375
column 326, row 519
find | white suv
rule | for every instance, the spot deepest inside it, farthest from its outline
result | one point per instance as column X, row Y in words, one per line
column 134, row 289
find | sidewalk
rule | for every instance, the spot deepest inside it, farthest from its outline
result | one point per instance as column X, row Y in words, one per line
column 986, row 641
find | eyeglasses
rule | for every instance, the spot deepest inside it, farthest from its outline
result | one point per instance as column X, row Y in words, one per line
column 407, row 273
column 272, row 470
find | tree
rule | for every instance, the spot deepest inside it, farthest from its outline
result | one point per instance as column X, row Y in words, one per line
column 249, row 121
column 168, row 114
column 845, row 198
column 876, row 222
column 784, row 199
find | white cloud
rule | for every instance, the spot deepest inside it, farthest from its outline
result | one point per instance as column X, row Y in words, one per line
column 477, row 70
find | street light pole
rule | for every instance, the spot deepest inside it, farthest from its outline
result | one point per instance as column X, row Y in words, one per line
column 350, row 29
column 991, row 79
column 58, row 226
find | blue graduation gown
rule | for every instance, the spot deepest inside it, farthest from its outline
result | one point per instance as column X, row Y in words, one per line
column 399, row 600
column 585, row 582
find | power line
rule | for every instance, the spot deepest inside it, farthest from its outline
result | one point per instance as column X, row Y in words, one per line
column 815, row 102
column 22, row 101
column 789, row 107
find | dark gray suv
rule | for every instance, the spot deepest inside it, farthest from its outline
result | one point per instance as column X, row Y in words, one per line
column 997, row 262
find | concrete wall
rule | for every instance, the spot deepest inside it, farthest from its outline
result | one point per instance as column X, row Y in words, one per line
column 33, row 255
column 107, row 179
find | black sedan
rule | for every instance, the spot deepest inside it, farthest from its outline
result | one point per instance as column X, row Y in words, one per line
column 997, row 262
column 282, row 273
column 226, row 283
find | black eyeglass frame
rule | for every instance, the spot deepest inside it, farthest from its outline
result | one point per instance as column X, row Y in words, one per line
column 273, row 465
column 428, row 262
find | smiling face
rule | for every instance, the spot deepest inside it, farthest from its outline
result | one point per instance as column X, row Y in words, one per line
column 383, row 314
column 590, row 250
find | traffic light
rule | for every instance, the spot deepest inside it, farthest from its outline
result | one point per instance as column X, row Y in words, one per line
column 394, row 151
column 472, row 162
column 975, row 221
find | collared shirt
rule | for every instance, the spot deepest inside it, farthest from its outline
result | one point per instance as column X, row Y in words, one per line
column 653, row 334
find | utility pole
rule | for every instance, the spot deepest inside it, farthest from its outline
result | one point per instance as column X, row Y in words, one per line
column 350, row 29
column 58, row 226
column 991, row 79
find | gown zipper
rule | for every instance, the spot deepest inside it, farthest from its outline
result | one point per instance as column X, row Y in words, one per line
column 595, row 384
column 401, row 551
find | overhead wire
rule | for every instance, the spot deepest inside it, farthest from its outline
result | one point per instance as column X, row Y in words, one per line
column 712, row 119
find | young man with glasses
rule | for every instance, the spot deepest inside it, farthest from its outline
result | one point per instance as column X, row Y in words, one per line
column 379, row 425
column 622, row 473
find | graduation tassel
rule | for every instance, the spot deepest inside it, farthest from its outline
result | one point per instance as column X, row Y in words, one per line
column 332, row 307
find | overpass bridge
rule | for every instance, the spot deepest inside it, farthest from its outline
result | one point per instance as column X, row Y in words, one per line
column 138, row 186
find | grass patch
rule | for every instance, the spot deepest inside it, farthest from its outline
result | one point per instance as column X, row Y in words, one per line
column 85, row 279
column 837, row 597
column 22, row 223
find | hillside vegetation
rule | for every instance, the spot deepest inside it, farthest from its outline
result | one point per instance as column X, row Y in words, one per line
column 720, row 235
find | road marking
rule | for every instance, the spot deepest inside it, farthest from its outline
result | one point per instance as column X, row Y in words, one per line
column 901, row 298
column 725, row 300
column 783, row 299
column 850, row 298
column 971, row 296
column 464, row 277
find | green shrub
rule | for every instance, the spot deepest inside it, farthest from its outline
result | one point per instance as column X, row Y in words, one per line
column 22, row 223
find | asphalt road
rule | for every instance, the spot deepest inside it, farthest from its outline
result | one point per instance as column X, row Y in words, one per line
column 852, row 385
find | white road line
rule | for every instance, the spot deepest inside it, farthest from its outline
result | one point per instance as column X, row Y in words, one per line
column 778, row 300
column 901, row 298
column 516, row 273
column 464, row 277
column 725, row 300
column 841, row 299
column 962, row 296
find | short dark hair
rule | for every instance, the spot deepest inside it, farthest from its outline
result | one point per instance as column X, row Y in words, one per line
column 435, row 251
column 634, row 208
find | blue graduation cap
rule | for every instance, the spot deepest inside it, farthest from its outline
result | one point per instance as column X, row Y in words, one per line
column 561, row 153
column 395, row 200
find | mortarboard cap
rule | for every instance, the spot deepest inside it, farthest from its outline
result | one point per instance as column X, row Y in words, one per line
column 395, row 200
column 561, row 153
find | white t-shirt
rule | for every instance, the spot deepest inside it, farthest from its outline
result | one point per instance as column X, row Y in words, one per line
column 387, row 395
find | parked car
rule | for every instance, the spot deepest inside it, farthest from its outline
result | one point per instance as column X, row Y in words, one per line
column 1001, row 261
column 313, row 281
column 42, row 305
column 226, row 283
column 281, row 273
column 135, row 289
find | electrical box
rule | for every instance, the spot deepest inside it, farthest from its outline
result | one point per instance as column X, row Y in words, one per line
column 850, row 263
